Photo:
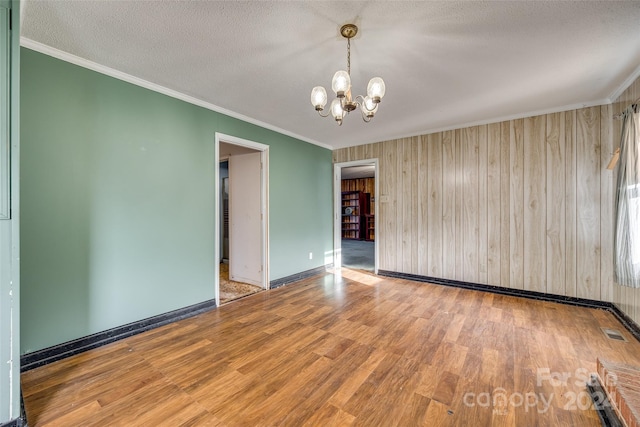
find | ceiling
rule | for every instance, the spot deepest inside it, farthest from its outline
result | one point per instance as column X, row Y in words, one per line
column 358, row 172
column 446, row 64
column 227, row 150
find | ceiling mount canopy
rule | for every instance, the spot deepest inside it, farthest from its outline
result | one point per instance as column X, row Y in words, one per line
column 344, row 102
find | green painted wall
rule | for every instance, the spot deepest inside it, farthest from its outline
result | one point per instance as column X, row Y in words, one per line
column 117, row 186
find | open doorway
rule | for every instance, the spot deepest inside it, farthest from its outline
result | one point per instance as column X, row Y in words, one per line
column 241, row 232
column 355, row 225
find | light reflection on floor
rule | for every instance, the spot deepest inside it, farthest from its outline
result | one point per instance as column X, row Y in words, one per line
column 335, row 283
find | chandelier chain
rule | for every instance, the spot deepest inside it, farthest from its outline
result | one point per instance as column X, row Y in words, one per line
column 349, row 57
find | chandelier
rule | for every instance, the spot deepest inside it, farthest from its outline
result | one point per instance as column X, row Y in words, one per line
column 344, row 102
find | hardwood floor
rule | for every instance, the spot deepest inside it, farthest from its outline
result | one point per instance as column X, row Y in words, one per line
column 345, row 349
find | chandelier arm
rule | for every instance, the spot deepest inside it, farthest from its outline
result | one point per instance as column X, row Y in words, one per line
column 324, row 115
column 363, row 104
column 365, row 118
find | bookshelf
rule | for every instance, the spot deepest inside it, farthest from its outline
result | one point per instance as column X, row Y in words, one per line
column 355, row 207
column 370, row 227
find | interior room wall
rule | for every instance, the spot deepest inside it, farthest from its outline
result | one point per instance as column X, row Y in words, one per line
column 627, row 299
column 524, row 203
column 118, row 201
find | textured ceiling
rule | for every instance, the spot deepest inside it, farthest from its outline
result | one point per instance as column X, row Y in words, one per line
column 356, row 172
column 446, row 64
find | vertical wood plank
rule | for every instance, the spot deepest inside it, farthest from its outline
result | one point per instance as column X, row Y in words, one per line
column 469, row 144
column 351, row 154
column 556, row 216
column 516, row 207
column 534, row 225
column 571, row 184
column 388, row 214
column 400, row 182
column 423, row 195
column 459, row 205
column 588, row 199
column 405, row 193
column 448, row 205
column 435, row 204
column 416, row 256
column 367, row 154
column 494, row 150
column 376, row 153
column 483, row 243
column 505, row 204
column 606, row 204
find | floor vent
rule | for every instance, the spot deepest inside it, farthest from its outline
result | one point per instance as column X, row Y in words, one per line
column 612, row 334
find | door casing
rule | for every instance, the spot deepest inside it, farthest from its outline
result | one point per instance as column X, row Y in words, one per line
column 337, row 209
column 264, row 196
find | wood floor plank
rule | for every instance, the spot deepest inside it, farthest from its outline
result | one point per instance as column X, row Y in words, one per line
column 438, row 415
column 76, row 416
column 346, row 349
column 446, row 388
column 330, row 416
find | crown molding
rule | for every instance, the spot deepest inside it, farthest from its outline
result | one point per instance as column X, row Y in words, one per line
column 525, row 115
column 85, row 63
column 628, row 82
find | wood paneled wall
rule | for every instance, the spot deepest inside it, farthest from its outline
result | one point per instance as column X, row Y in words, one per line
column 627, row 299
column 525, row 204
column 366, row 185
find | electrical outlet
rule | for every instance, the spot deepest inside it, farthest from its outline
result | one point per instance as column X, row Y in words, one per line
column 310, row 255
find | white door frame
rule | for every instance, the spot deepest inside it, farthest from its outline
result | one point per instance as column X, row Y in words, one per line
column 264, row 205
column 337, row 209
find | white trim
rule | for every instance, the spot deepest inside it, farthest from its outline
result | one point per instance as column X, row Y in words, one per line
column 337, row 209
column 85, row 63
column 628, row 82
column 264, row 158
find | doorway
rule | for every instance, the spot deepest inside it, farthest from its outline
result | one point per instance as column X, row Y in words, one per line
column 241, row 231
column 355, row 219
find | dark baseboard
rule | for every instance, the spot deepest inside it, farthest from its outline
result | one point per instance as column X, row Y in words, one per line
column 299, row 276
column 57, row 352
column 601, row 403
column 626, row 321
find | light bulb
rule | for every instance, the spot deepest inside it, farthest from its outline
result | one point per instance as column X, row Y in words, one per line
column 336, row 110
column 341, row 83
column 376, row 89
column 369, row 107
column 318, row 98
